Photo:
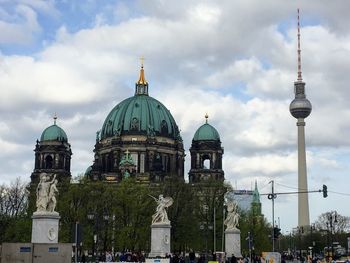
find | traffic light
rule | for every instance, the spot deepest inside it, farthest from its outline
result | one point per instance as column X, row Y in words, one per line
column 324, row 190
column 276, row 232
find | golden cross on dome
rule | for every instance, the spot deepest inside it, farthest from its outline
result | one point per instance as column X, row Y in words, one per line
column 127, row 153
column 142, row 59
column 142, row 79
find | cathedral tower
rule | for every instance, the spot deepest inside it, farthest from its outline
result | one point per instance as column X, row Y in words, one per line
column 52, row 154
column 206, row 154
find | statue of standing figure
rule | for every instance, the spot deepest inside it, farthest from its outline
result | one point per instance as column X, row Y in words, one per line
column 46, row 193
column 232, row 217
column 161, row 215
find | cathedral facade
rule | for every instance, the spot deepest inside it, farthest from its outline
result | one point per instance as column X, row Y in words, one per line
column 139, row 138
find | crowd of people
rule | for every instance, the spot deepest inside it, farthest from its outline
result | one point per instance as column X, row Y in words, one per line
column 193, row 257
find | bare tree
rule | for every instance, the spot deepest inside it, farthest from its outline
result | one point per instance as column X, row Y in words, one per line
column 340, row 224
column 13, row 198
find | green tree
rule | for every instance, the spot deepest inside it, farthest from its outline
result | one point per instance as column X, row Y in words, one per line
column 14, row 220
column 260, row 232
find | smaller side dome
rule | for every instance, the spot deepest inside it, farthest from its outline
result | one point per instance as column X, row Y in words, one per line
column 88, row 171
column 206, row 132
column 54, row 133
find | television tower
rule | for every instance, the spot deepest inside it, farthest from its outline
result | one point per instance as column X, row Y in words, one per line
column 300, row 108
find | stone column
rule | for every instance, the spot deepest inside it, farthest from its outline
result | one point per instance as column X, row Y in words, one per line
column 160, row 240
column 45, row 227
column 233, row 243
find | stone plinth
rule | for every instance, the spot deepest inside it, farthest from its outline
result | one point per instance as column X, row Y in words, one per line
column 233, row 242
column 160, row 240
column 45, row 227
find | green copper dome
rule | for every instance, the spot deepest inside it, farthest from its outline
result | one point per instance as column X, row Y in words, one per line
column 54, row 133
column 206, row 133
column 140, row 114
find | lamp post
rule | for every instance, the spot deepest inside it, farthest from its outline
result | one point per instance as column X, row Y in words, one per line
column 249, row 238
column 300, row 231
column 209, row 227
column 312, row 229
column 290, row 243
column 105, row 219
column 332, row 220
column 92, row 217
column 113, row 229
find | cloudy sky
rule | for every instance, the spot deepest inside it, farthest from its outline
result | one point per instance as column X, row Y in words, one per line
column 235, row 60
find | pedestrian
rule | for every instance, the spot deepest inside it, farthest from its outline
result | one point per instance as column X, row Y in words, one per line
column 192, row 256
column 108, row 257
column 233, row 259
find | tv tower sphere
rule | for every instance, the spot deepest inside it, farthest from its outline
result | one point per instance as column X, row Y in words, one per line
column 300, row 107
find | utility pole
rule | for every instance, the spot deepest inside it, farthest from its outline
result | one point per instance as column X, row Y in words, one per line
column 272, row 197
column 223, row 229
column 76, row 242
column 279, row 240
column 214, row 228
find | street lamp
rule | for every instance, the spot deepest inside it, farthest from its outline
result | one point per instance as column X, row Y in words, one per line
column 113, row 231
column 105, row 219
column 332, row 220
column 300, row 231
column 92, row 217
column 312, row 229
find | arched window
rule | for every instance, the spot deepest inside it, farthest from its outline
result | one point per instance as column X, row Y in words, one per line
column 48, row 162
column 206, row 162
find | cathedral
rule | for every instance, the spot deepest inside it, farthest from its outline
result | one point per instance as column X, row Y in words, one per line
column 139, row 138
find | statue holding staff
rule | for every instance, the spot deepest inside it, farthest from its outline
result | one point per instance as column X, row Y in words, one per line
column 161, row 215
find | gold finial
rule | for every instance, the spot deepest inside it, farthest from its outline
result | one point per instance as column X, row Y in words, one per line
column 127, row 153
column 54, row 118
column 206, row 117
column 142, row 80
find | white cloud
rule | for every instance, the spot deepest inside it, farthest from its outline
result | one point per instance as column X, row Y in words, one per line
column 20, row 31
column 199, row 58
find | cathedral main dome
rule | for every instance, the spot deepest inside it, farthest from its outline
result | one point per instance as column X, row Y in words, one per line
column 140, row 115
column 142, row 130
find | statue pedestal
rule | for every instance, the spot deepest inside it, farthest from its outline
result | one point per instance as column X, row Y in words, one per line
column 45, row 227
column 160, row 240
column 233, row 243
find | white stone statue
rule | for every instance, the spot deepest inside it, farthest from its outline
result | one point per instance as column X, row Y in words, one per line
column 45, row 193
column 161, row 215
column 52, row 196
column 232, row 217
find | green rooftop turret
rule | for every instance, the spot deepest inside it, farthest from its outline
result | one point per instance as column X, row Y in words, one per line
column 54, row 133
